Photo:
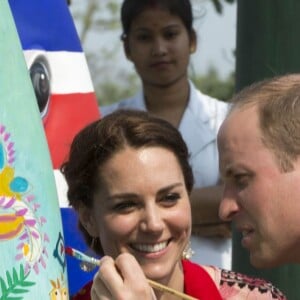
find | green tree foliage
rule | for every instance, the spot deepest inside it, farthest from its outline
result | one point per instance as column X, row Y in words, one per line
column 211, row 84
column 109, row 91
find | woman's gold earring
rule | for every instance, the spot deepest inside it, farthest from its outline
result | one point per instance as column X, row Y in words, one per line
column 192, row 49
column 187, row 252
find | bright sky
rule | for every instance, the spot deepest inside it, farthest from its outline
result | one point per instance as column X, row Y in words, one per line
column 216, row 39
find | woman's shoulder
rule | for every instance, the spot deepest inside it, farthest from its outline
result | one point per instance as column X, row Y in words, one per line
column 233, row 284
column 205, row 98
column 206, row 105
column 134, row 102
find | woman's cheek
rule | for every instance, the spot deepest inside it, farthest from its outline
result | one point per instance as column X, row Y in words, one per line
column 182, row 218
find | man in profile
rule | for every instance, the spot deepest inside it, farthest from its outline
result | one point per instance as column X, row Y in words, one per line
column 259, row 146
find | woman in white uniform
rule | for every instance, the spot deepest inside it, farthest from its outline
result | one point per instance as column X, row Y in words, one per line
column 158, row 38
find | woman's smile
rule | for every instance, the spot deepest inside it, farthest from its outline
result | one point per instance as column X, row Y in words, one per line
column 149, row 248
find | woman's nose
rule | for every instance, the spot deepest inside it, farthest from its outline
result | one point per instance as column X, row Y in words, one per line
column 228, row 206
column 152, row 220
column 159, row 47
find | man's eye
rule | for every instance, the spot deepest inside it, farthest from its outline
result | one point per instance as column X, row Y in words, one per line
column 241, row 180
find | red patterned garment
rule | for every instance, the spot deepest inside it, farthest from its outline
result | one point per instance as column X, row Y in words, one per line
column 211, row 283
column 236, row 286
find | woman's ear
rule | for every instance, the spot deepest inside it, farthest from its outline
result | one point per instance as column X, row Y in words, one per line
column 126, row 48
column 87, row 220
column 193, row 42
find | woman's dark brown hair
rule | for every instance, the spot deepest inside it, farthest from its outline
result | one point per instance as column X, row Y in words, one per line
column 132, row 8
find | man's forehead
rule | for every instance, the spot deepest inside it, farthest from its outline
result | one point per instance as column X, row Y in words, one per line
column 240, row 126
column 240, row 137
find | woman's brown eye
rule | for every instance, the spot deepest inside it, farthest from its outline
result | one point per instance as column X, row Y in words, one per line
column 172, row 197
column 124, row 206
column 171, row 35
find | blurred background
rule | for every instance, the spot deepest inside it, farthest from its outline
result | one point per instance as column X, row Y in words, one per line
column 211, row 67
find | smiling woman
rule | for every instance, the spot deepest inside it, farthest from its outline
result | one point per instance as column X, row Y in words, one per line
column 129, row 181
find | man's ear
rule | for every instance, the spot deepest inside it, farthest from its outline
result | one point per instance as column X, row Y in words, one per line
column 87, row 220
column 193, row 42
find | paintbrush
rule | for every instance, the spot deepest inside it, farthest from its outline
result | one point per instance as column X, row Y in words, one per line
column 94, row 261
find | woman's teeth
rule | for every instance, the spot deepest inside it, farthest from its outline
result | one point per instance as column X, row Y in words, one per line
column 150, row 248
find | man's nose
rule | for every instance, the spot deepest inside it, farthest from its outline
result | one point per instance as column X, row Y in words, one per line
column 228, row 206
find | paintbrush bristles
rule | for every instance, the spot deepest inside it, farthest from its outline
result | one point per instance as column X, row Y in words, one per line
column 81, row 256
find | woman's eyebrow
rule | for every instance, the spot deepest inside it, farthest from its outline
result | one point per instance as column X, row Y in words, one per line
column 170, row 187
column 122, row 196
column 134, row 195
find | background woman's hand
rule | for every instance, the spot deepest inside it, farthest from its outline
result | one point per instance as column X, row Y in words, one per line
column 120, row 279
